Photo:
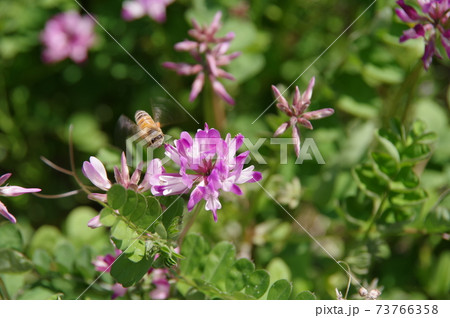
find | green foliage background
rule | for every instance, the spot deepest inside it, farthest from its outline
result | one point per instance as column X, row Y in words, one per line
column 365, row 76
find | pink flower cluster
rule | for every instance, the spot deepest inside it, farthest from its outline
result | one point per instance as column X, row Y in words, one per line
column 95, row 171
column 432, row 24
column 136, row 9
column 297, row 113
column 207, row 164
column 11, row 191
column 159, row 277
column 209, row 52
column 67, row 35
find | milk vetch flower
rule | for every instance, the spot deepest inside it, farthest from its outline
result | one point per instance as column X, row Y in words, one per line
column 207, row 164
column 297, row 114
column 67, row 35
column 95, row 171
column 430, row 25
column 209, row 53
column 155, row 9
column 11, row 191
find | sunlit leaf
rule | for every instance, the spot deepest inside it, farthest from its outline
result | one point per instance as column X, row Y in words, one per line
column 218, row 262
column 258, row 283
column 280, row 290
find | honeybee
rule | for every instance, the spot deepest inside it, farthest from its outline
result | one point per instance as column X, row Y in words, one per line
column 146, row 128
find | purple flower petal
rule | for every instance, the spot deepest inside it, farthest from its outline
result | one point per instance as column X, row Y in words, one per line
column 4, row 177
column 407, row 13
column 197, row 86
column 96, row 173
column 306, row 98
column 186, row 45
column 196, row 196
column 282, row 104
column 4, row 212
column 317, row 114
column 14, row 191
column 219, row 89
column 281, row 129
column 413, row 33
column 95, row 222
column 296, row 139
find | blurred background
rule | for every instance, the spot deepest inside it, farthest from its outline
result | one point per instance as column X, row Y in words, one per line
column 358, row 76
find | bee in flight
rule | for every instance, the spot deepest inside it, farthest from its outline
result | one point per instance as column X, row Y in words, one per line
column 146, row 128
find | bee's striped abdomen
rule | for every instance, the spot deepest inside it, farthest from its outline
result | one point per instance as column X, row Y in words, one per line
column 144, row 120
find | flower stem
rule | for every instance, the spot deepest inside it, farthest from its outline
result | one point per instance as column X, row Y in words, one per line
column 213, row 108
column 403, row 110
column 188, row 225
column 3, row 291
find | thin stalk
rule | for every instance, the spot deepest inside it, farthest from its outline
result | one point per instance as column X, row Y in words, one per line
column 3, row 291
column 375, row 216
column 395, row 106
column 189, row 224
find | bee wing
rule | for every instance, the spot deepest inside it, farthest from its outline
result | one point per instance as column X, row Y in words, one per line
column 166, row 111
column 125, row 128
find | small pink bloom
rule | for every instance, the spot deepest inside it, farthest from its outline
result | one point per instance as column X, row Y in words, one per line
column 11, row 191
column 430, row 26
column 155, row 9
column 67, row 35
column 296, row 112
column 209, row 53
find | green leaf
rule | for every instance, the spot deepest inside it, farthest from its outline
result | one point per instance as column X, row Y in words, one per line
column 194, row 248
column 173, row 207
column 122, row 231
column 77, row 230
column 369, row 181
column 160, row 230
column 138, row 248
column 280, row 290
column 305, row 295
column 37, row 293
column 417, row 196
column 10, row 236
column 117, row 196
column 46, row 237
column 128, row 273
column 415, row 152
column 385, row 164
column 390, row 147
column 218, row 262
column 438, row 220
column 405, row 180
column 108, row 217
column 83, row 262
column 130, row 205
column 258, row 283
column 65, row 256
column 12, row 261
column 278, row 269
column 151, row 214
column 238, row 275
column 42, row 261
